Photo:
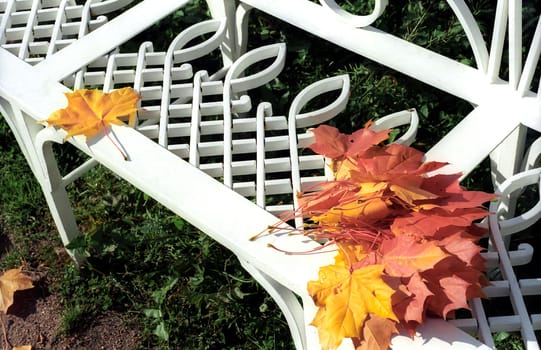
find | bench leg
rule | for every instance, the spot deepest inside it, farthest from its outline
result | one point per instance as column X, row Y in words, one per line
column 36, row 145
column 54, row 189
column 287, row 302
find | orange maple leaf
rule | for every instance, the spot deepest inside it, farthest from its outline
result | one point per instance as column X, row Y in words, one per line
column 434, row 223
column 404, row 255
column 345, row 298
column 90, row 112
column 12, row 281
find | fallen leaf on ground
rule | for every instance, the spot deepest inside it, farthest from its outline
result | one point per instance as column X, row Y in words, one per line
column 12, row 281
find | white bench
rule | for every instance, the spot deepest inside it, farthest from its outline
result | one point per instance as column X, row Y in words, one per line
column 52, row 46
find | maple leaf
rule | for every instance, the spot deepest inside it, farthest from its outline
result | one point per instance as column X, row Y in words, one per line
column 453, row 284
column 12, row 281
column 331, row 194
column 464, row 246
column 404, row 255
column 431, row 223
column 329, row 141
column 451, row 195
column 345, row 298
column 374, row 208
column 333, row 144
column 394, row 159
column 350, row 253
column 377, row 332
column 90, row 112
column 362, row 139
column 411, row 309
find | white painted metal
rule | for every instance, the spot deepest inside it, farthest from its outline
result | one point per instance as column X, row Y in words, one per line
column 302, row 120
column 356, row 20
column 210, row 120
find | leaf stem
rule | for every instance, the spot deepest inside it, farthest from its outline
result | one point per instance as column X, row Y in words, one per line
column 106, row 132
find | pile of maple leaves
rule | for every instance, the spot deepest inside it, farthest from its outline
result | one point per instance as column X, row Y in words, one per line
column 407, row 244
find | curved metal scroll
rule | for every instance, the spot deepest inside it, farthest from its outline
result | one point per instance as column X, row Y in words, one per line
column 301, row 120
column 356, row 20
column 177, row 53
column 235, row 82
column 397, row 119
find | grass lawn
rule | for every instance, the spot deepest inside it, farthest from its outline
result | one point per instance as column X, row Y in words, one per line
column 182, row 289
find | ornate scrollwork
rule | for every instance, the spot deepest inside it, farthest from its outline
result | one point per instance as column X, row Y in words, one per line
column 356, row 20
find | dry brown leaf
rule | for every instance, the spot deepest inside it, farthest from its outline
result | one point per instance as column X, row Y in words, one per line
column 377, row 332
column 22, row 347
column 11, row 281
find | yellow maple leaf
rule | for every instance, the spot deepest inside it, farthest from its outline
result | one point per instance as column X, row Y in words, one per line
column 373, row 208
column 345, row 298
column 90, row 112
column 11, row 281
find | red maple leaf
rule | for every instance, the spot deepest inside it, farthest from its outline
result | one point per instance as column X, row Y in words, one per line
column 451, row 195
column 435, row 223
column 410, row 308
column 453, row 284
column 333, row 144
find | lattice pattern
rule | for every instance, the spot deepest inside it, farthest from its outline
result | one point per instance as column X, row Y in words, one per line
column 33, row 30
column 509, row 310
column 197, row 132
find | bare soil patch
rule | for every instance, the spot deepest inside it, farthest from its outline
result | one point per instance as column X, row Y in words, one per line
column 35, row 319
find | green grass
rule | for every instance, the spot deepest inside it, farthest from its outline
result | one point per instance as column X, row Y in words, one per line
column 177, row 285
column 181, row 288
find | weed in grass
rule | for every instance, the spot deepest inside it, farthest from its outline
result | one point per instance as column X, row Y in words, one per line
column 508, row 341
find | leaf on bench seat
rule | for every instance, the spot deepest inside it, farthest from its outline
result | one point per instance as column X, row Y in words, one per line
column 89, row 112
column 345, row 298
